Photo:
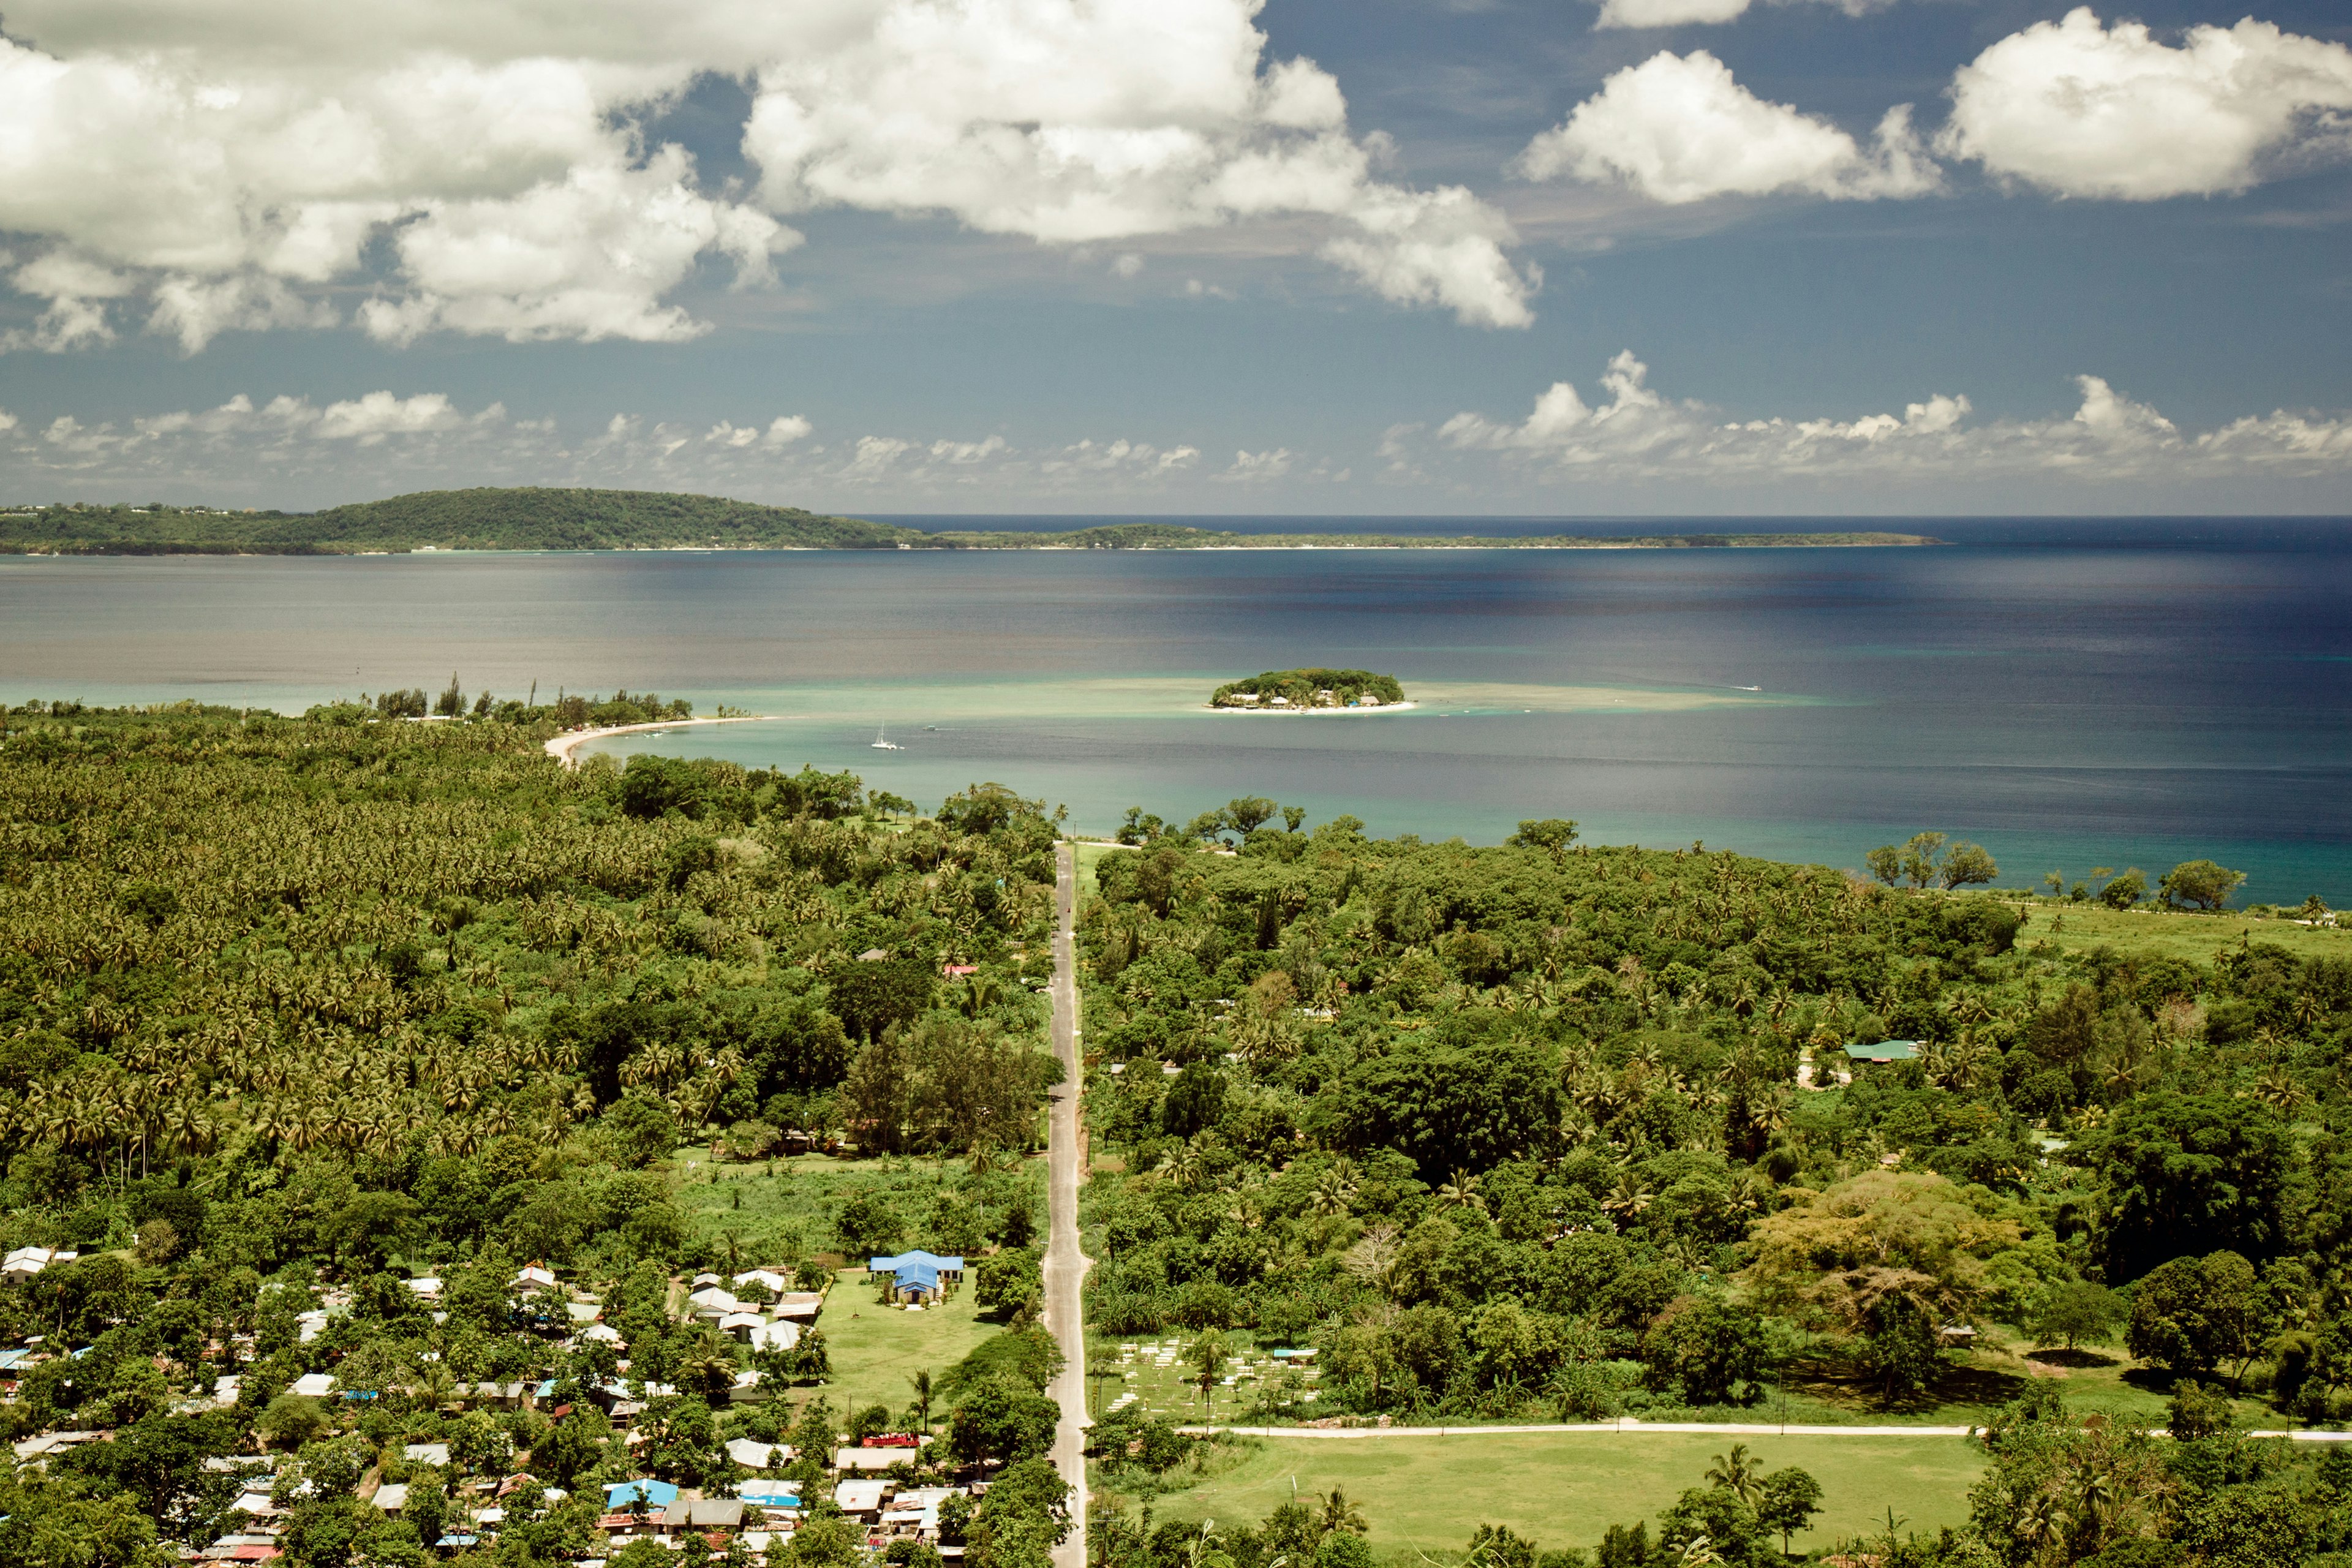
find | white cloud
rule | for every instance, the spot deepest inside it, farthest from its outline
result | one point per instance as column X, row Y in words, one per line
column 1637, row 434
column 232, row 171
column 1679, row 128
column 586, row 257
column 1090, row 457
column 427, row 440
column 370, row 419
column 1068, row 123
column 963, row 454
column 1668, row 13
column 1258, row 468
column 196, row 311
column 2083, row 109
column 1626, row 439
column 1686, row 13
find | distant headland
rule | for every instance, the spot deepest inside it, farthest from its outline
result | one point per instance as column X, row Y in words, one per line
column 534, row 519
column 1311, row 691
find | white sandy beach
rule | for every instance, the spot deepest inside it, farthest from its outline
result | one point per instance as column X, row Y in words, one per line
column 562, row 746
column 1320, row 712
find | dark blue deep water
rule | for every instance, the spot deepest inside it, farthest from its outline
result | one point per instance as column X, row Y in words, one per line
column 2066, row 692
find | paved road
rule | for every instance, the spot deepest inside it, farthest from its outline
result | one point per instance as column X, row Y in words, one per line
column 1065, row 1266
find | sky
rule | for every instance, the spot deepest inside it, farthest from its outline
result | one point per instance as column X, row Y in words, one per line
column 1575, row 258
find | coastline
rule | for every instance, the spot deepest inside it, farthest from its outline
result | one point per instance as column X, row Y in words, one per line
column 560, row 747
column 968, row 543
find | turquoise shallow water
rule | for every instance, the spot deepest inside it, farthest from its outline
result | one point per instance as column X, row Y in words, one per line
column 2128, row 696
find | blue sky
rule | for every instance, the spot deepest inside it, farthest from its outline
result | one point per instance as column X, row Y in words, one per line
column 1193, row 256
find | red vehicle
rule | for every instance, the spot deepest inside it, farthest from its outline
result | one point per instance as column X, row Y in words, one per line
column 894, row 1440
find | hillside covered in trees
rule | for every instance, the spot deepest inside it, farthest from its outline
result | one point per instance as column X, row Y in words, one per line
column 1559, row 1131
column 524, row 519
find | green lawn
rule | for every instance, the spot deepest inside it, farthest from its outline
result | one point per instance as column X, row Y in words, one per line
column 1427, row 1494
column 2196, row 938
column 876, row 1349
column 1090, row 856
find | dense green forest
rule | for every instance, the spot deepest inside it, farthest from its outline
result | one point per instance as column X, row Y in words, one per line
column 292, row 1011
column 546, row 519
column 1559, row 1131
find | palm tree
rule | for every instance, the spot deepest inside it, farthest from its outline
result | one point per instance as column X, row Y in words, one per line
column 709, row 1361
column 1739, row 1474
column 1333, row 1192
column 922, row 1382
column 1207, row 1359
column 1462, row 1192
column 1338, row 1513
column 2278, row 1089
column 1628, row 1199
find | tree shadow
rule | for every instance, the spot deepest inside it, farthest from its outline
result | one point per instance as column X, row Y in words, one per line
column 1977, row 1385
column 1959, row 1385
column 2074, row 1359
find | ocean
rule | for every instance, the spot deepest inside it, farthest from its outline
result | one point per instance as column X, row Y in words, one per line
column 2067, row 693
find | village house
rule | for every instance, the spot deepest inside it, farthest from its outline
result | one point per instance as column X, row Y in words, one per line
column 533, row 1280
column 23, row 1262
column 862, row 1499
column 704, row 1516
column 918, row 1276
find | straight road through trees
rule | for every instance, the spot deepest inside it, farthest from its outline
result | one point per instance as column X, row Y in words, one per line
column 1065, row 1266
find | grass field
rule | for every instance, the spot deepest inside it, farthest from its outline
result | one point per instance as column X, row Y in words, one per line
column 2195, row 938
column 876, row 1349
column 782, row 1209
column 1427, row 1494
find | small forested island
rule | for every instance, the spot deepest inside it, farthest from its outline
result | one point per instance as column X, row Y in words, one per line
column 412, row 1151
column 1310, row 692
column 538, row 518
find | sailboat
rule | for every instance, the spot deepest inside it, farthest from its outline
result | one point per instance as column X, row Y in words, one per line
column 882, row 742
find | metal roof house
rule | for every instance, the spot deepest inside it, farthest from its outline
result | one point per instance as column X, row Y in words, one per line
column 1885, row 1051
column 619, row 1495
column 919, row 1275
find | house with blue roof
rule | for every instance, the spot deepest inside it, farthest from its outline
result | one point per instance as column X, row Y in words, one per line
column 620, row 1495
column 918, row 1276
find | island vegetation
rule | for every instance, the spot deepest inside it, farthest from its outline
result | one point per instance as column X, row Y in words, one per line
column 1308, row 690
column 350, row 1064
column 539, row 518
